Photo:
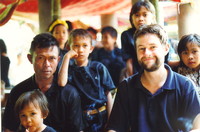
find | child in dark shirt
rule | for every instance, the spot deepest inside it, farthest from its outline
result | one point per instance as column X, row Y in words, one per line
column 32, row 108
column 110, row 55
column 92, row 80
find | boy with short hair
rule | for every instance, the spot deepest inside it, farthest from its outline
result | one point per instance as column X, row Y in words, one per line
column 110, row 55
column 92, row 80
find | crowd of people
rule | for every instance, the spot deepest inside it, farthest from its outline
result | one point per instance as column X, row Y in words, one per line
column 80, row 85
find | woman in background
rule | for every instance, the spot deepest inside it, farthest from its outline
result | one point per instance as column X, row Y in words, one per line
column 5, row 63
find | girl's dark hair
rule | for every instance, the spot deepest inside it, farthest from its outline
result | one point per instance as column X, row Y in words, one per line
column 3, row 48
column 136, row 8
column 108, row 29
column 79, row 32
column 36, row 97
column 182, row 45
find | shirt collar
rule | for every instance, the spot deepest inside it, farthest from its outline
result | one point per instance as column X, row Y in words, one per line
column 169, row 83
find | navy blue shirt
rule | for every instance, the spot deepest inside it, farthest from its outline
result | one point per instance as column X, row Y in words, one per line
column 137, row 110
column 113, row 60
column 92, row 82
column 65, row 113
column 49, row 129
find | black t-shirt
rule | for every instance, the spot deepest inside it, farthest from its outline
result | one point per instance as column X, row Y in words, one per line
column 65, row 113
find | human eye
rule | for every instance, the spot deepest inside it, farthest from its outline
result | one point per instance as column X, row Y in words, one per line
column 85, row 45
column 194, row 51
column 33, row 113
column 184, row 53
column 153, row 47
column 137, row 14
column 145, row 14
column 75, row 45
column 40, row 58
column 22, row 115
column 52, row 58
column 141, row 48
column 56, row 32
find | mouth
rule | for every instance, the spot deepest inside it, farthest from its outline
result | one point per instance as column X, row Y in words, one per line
column 147, row 59
column 140, row 24
column 46, row 72
column 190, row 63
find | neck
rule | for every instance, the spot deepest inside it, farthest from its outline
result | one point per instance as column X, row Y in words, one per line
column 153, row 81
column 62, row 46
column 109, row 48
column 44, row 84
column 80, row 64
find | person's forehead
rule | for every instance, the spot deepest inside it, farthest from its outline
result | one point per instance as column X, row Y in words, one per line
column 147, row 39
column 81, row 39
column 142, row 9
column 51, row 49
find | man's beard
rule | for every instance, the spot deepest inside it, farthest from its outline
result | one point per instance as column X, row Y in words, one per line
column 153, row 67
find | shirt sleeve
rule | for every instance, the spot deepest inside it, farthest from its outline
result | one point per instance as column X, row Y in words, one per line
column 191, row 101
column 127, row 45
column 106, row 80
column 119, row 118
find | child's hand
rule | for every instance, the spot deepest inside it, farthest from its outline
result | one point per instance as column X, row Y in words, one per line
column 72, row 54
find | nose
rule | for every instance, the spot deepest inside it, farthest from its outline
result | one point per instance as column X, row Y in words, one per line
column 28, row 119
column 80, row 49
column 147, row 51
column 141, row 18
column 190, row 56
column 47, row 62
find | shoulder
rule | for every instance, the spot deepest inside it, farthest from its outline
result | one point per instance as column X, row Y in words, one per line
column 117, row 50
column 131, row 82
column 95, row 64
column 130, row 31
column 49, row 129
column 24, row 86
column 180, row 83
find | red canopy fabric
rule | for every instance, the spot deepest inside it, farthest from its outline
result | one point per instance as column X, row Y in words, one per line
column 70, row 8
column 76, row 7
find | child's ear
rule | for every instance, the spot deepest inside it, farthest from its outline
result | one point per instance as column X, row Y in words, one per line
column 45, row 115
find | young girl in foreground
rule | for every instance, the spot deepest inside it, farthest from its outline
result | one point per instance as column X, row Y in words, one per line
column 32, row 109
column 189, row 53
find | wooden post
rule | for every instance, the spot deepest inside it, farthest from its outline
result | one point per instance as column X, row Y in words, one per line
column 109, row 20
column 56, row 9
column 49, row 10
column 45, row 14
column 188, row 19
column 159, row 20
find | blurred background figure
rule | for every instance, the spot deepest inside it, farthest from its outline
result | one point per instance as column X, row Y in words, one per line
column 5, row 63
column 93, row 33
column 110, row 55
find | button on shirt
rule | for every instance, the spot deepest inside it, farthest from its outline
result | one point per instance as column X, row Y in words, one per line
column 92, row 82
